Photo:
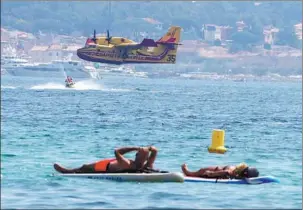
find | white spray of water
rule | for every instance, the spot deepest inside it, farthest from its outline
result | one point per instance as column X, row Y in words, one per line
column 79, row 85
column 49, row 85
column 7, row 87
column 88, row 85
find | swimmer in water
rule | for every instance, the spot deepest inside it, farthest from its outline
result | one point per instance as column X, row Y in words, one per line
column 145, row 158
column 240, row 171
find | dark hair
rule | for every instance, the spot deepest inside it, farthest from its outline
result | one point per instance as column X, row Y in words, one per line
column 250, row 172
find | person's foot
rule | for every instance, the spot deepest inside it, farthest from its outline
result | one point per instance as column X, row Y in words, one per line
column 60, row 169
column 184, row 168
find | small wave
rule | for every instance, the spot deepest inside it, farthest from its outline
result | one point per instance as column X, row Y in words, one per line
column 8, row 87
column 117, row 90
column 9, row 155
column 141, row 89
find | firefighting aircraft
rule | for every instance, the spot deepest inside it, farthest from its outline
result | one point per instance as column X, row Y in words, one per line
column 119, row 50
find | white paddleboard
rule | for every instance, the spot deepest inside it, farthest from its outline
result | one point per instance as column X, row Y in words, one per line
column 257, row 180
column 132, row 177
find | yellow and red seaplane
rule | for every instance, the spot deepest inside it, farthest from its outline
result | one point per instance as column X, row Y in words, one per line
column 120, row 50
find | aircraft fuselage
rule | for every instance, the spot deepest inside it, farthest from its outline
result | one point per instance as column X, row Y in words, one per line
column 119, row 50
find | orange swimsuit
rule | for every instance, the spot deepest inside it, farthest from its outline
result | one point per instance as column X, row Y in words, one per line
column 102, row 165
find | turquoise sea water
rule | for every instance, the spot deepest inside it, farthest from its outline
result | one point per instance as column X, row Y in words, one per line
column 42, row 123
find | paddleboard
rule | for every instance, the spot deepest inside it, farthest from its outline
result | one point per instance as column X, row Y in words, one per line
column 131, row 177
column 257, row 180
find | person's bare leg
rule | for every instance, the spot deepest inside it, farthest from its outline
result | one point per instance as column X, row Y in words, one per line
column 83, row 169
column 141, row 157
column 198, row 173
column 151, row 159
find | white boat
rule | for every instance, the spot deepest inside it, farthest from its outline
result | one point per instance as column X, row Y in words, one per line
column 17, row 65
column 123, row 70
column 11, row 61
column 56, row 68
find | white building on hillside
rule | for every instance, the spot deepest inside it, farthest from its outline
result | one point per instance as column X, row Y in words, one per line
column 270, row 34
column 209, row 31
column 39, row 54
column 71, row 51
column 298, row 30
column 54, row 52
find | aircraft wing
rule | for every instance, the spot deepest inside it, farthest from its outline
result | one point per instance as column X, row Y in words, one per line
column 144, row 43
column 148, row 43
column 122, row 45
column 102, row 46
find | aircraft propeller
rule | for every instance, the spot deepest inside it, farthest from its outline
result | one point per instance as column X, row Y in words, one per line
column 108, row 38
column 94, row 37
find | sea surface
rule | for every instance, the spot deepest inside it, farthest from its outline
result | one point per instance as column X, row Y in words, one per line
column 42, row 122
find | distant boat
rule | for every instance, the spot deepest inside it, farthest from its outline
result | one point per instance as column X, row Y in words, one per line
column 52, row 69
column 240, row 80
column 10, row 60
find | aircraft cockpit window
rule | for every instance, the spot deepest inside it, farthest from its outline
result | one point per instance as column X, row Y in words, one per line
column 150, row 49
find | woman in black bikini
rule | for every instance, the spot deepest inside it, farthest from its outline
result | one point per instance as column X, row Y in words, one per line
column 240, row 171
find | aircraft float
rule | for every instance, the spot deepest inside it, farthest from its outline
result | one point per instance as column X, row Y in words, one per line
column 120, row 50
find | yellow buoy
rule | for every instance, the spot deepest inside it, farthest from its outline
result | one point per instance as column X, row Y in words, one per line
column 217, row 143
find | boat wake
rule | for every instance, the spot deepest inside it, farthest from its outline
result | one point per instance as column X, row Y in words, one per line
column 8, row 87
column 50, row 86
column 88, row 85
column 79, row 85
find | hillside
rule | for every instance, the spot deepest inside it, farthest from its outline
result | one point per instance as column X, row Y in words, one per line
column 126, row 17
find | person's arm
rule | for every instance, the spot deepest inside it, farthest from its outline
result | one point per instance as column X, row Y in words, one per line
column 124, row 150
column 121, row 151
column 152, row 157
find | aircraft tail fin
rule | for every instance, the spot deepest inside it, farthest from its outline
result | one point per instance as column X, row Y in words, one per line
column 170, row 42
column 172, row 36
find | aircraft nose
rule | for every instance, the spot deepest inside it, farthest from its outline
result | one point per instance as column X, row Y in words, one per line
column 80, row 53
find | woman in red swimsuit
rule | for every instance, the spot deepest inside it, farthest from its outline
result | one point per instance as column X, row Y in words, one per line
column 119, row 163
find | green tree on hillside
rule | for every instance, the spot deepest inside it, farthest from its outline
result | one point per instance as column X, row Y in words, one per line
column 85, row 16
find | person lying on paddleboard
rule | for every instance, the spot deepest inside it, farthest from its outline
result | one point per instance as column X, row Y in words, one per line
column 240, row 171
column 119, row 163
